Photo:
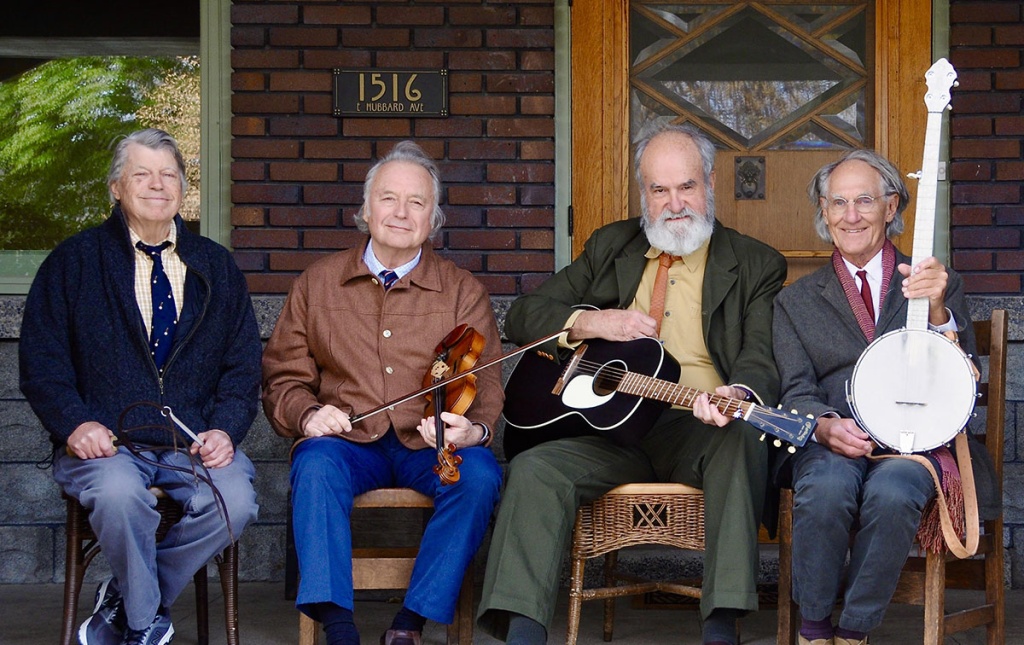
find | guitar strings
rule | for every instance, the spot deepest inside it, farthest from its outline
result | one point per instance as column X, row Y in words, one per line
column 732, row 406
column 592, row 368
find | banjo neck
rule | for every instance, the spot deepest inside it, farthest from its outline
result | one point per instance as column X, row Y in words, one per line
column 937, row 99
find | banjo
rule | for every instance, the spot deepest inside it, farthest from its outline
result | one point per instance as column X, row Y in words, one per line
column 913, row 389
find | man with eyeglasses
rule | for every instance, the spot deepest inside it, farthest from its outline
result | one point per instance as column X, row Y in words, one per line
column 823, row 323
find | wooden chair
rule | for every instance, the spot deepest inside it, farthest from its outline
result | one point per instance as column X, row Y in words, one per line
column 82, row 547
column 391, row 568
column 629, row 515
column 925, row 577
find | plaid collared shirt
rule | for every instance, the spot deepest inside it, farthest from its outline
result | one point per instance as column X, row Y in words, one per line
column 173, row 267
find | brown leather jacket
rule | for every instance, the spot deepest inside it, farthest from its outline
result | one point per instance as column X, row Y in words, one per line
column 342, row 340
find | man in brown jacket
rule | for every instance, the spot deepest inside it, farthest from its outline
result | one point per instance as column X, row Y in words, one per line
column 359, row 329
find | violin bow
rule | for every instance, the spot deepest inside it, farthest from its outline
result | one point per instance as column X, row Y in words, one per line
column 456, row 377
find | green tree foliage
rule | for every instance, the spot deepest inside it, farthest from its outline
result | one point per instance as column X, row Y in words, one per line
column 58, row 125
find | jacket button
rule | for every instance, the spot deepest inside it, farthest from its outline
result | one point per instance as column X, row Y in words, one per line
column 387, row 333
column 389, row 370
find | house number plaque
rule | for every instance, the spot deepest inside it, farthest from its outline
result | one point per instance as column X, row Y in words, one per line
column 381, row 93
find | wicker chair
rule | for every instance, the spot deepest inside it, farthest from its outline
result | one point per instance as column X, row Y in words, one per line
column 925, row 577
column 391, row 568
column 82, row 547
column 629, row 515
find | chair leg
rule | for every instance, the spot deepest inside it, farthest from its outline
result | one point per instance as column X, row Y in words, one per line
column 934, row 599
column 202, row 606
column 611, row 561
column 227, row 564
column 309, row 632
column 787, row 609
column 74, row 572
column 994, row 594
column 575, row 600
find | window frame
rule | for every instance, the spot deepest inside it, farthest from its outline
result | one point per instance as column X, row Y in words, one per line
column 214, row 49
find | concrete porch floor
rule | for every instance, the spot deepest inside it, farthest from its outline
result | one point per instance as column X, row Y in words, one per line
column 30, row 615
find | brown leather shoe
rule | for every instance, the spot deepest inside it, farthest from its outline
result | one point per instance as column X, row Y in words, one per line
column 817, row 641
column 400, row 637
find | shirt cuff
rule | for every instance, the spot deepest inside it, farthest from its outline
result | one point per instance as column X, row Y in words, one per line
column 563, row 338
column 949, row 326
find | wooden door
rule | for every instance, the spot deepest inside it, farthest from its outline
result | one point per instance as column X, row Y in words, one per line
column 781, row 87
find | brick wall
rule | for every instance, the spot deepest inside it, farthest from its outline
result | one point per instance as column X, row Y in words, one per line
column 987, row 165
column 298, row 170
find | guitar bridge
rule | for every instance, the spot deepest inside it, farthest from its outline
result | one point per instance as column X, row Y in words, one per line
column 570, row 369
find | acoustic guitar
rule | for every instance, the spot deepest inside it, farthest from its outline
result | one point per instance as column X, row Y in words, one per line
column 619, row 390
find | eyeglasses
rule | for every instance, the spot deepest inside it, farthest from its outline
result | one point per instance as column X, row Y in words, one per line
column 863, row 204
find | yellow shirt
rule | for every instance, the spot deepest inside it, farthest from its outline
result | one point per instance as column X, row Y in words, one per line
column 681, row 328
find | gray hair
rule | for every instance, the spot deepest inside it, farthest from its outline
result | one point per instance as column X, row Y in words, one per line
column 153, row 139
column 655, row 127
column 409, row 152
column 891, row 184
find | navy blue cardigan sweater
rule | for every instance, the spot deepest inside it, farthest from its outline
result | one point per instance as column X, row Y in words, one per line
column 84, row 353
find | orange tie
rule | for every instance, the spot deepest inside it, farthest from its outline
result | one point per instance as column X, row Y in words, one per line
column 660, row 288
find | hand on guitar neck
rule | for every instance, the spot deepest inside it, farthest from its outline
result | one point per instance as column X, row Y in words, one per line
column 717, row 409
column 927, row 279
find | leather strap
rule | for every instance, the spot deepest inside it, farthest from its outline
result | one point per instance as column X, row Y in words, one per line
column 969, row 546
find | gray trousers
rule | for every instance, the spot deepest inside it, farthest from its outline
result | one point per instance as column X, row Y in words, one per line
column 122, row 513
column 548, row 482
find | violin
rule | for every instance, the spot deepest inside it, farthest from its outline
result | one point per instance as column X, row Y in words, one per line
column 456, row 354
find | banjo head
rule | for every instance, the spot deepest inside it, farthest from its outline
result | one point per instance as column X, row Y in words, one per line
column 912, row 390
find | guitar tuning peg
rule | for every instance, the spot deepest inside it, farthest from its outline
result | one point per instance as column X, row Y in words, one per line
column 761, row 438
column 956, row 83
column 777, row 443
column 793, row 412
column 809, row 416
column 914, row 175
column 792, row 450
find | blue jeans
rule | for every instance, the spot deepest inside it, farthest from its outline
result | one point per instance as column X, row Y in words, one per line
column 830, row 493
column 329, row 472
column 122, row 513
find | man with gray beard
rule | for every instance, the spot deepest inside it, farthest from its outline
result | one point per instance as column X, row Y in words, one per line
column 718, row 288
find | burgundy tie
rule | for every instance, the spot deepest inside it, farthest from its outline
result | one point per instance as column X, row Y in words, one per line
column 865, row 293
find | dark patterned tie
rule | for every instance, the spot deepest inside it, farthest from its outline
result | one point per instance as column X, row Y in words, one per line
column 865, row 293
column 389, row 278
column 164, row 311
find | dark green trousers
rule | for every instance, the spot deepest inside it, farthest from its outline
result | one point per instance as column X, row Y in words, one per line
column 547, row 483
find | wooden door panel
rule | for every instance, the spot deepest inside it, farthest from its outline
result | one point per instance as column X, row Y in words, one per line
column 603, row 185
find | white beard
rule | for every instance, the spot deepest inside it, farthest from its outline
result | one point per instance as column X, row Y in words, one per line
column 677, row 238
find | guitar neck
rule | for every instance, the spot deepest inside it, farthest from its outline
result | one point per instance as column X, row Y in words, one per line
column 924, row 214
column 667, row 392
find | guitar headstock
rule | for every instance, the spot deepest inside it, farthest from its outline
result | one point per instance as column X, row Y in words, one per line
column 940, row 77
column 785, row 426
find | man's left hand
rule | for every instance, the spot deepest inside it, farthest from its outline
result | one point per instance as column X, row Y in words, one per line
column 710, row 414
column 927, row 279
column 217, row 450
column 457, row 430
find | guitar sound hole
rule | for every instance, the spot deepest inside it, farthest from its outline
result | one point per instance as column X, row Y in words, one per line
column 608, row 377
